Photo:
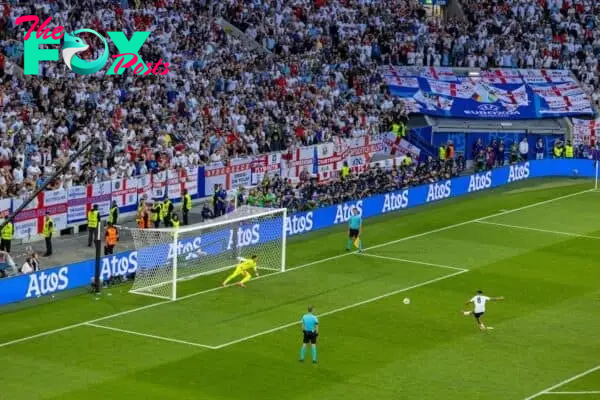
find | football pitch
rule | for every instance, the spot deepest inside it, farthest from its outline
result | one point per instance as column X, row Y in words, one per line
column 535, row 243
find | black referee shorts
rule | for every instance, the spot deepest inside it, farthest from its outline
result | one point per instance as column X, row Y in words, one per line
column 353, row 234
column 309, row 337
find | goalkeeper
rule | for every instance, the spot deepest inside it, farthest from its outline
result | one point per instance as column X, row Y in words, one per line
column 243, row 269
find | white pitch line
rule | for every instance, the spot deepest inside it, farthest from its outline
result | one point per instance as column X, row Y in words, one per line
column 147, row 335
column 404, row 260
column 442, row 229
column 529, row 228
column 586, row 392
column 337, row 310
column 562, row 383
column 498, row 214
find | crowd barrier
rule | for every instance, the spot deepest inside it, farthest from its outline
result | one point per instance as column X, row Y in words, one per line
column 80, row 274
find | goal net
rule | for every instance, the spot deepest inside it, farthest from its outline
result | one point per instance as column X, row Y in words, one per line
column 168, row 256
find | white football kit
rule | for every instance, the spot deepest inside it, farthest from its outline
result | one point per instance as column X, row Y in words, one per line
column 479, row 303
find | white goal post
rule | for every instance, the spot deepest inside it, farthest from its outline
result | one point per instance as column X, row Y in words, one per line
column 167, row 256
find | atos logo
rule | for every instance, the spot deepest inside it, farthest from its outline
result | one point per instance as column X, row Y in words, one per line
column 245, row 237
column 394, row 202
column 119, row 265
column 439, row 191
column 47, row 282
column 188, row 247
column 299, row 224
column 518, row 172
column 488, row 107
column 344, row 212
column 480, row 181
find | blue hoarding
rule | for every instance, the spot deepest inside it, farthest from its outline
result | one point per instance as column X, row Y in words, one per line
column 255, row 232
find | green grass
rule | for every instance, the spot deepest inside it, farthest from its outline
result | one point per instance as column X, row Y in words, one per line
column 371, row 344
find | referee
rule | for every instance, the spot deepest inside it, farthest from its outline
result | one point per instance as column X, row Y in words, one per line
column 354, row 230
column 310, row 331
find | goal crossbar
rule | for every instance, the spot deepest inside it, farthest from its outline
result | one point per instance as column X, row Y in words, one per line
column 190, row 228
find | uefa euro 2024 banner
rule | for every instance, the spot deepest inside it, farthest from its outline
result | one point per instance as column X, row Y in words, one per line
column 493, row 94
column 251, row 233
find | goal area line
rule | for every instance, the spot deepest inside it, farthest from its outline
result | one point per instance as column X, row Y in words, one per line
column 295, row 268
column 458, row 271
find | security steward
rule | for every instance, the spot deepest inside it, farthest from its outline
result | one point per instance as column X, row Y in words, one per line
column 569, row 151
column 113, row 213
column 186, row 206
column 111, row 237
column 156, row 214
column 93, row 219
column 167, row 211
column 47, row 231
column 7, row 234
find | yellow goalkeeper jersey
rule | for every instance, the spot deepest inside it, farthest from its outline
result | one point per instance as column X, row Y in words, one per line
column 247, row 265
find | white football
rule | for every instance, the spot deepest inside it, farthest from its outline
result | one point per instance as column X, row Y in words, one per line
column 406, row 300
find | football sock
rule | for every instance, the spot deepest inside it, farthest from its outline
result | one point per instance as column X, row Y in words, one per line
column 313, row 351
column 349, row 245
column 302, row 352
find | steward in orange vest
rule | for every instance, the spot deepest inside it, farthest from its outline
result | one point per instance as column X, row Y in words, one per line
column 111, row 237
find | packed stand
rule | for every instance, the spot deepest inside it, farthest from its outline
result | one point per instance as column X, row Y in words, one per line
column 219, row 100
column 223, row 99
column 550, row 34
column 308, row 193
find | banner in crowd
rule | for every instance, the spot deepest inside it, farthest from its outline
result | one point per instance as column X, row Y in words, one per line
column 268, row 164
column 356, row 152
column 324, row 160
column 76, row 275
column 496, row 93
column 30, row 222
column 394, row 145
column 237, row 173
column 70, row 207
column 297, row 160
column 585, row 131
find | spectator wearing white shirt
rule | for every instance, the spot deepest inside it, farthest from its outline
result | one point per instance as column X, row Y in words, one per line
column 27, row 267
column 524, row 149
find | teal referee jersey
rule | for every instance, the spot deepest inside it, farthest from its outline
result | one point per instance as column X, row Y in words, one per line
column 354, row 222
column 309, row 322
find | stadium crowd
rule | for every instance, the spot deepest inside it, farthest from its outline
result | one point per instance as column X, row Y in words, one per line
column 309, row 193
column 222, row 98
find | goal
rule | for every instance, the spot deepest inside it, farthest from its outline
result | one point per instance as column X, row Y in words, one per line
column 166, row 256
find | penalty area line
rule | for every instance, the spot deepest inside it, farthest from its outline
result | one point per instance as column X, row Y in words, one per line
column 340, row 309
column 530, row 228
column 404, row 260
column 150, row 336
